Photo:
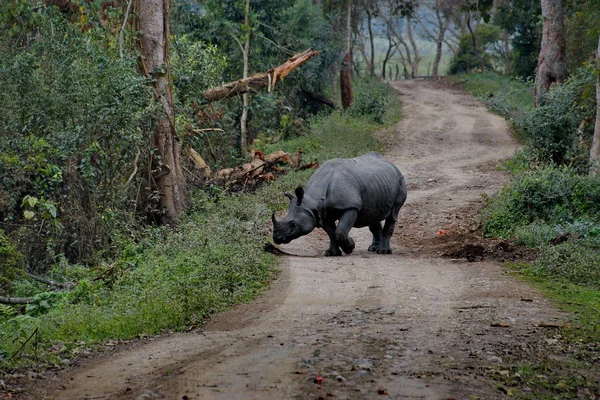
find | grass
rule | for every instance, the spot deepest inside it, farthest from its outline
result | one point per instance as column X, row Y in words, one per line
column 506, row 96
column 176, row 278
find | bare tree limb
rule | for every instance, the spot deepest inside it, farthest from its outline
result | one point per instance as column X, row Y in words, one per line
column 34, row 333
column 50, row 282
column 259, row 81
column 122, row 32
column 16, row 300
column 135, row 168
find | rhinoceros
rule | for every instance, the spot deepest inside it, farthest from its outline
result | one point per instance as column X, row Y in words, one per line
column 357, row 192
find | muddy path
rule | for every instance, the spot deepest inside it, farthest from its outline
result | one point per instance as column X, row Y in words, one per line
column 412, row 325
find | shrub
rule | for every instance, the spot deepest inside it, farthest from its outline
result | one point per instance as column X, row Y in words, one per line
column 465, row 59
column 553, row 195
column 576, row 260
column 12, row 264
column 74, row 115
column 195, row 67
column 372, row 99
column 551, row 128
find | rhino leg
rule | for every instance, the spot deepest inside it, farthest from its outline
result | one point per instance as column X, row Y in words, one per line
column 334, row 249
column 386, row 235
column 376, row 230
column 390, row 224
column 346, row 223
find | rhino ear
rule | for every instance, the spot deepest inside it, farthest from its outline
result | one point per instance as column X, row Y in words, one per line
column 299, row 195
column 289, row 196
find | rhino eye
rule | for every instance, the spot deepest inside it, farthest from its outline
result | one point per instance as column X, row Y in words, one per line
column 292, row 224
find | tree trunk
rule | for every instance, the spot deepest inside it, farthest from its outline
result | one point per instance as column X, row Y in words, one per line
column 436, row 61
column 244, row 119
column 416, row 60
column 153, row 19
column 346, row 70
column 474, row 43
column 372, row 43
column 506, row 53
column 389, row 53
column 442, row 22
column 595, row 150
column 552, row 65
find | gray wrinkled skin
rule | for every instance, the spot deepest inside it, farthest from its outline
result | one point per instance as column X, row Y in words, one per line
column 354, row 192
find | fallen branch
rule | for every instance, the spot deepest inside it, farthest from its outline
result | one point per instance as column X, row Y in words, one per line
column 318, row 98
column 50, row 282
column 199, row 163
column 207, row 130
column 259, row 81
column 35, row 331
column 16, row 300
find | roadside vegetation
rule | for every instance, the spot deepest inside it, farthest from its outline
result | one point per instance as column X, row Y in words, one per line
column 551, row 204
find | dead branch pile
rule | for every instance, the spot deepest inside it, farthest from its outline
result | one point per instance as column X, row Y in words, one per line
column 262, row 168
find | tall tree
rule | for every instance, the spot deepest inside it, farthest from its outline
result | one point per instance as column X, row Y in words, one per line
column 346, row 70
column 552, row 65
column 392, row 47
column 435, row 29
column 369, row 11
column 153, row 21
column 520, row 18
column 245, row 53
column 595, row 150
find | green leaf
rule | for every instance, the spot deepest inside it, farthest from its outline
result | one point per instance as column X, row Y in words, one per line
column 51, row 209
column 28, row 214
column 32, row 201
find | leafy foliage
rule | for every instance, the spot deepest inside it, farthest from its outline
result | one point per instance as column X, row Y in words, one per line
column 552, row 127
column 554, row 195
column 195, row 67
column 521, row 18
column 11, row 261
column 582, row 31
column 371, row 99
column 465, row 59
column 74, row 116
column 277, row 31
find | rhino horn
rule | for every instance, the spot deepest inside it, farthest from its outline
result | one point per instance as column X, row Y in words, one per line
column 289, row 196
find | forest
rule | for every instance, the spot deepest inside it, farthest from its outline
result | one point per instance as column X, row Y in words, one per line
column 144, row 144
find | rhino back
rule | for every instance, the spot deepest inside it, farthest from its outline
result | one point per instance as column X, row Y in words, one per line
column 368, row 183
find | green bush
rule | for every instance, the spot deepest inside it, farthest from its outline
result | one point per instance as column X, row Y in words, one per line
column 465, row 59
column 372, row 99
column 195, row 67
column 576, row 260
column 75, row 116
column 553, row 195
column 12, row 264
column 551, row 128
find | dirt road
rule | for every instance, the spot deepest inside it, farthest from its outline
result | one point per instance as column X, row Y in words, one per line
column 412, row 325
